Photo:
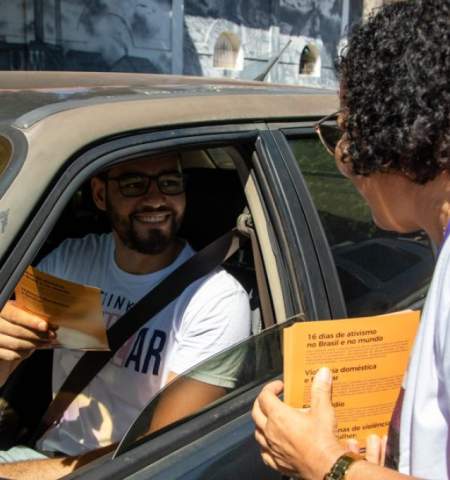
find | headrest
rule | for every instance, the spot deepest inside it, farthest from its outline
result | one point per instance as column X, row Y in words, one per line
column 215, row 198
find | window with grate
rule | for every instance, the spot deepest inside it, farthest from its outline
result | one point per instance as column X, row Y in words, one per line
column 226, row 51
column 309, row 60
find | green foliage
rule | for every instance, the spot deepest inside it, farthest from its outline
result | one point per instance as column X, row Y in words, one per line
column 344, row 214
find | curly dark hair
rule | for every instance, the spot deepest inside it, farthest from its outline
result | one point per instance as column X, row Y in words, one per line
column 395, row 80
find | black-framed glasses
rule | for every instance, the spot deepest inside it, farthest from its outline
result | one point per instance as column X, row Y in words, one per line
column 137, row 184
column 329, row 134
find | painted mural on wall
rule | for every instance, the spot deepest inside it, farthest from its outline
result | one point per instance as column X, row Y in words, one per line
column 132, row 35
column 264, row 27
column 314, row 19
column 101, row 35
column 139, row 35
column 250, row 20
column 250, row 13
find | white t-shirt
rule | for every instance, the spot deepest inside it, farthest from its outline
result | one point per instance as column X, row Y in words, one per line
column 212, row 314
column 425, row 414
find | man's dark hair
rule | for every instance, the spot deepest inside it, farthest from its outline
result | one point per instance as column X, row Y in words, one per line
column 395, row 76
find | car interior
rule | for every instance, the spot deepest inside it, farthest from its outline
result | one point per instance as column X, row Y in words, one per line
column 216, row 198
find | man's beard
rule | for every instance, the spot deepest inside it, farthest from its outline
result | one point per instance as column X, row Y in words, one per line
column 154, row 241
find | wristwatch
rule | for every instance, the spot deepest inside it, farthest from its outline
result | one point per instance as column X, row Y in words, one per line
column 342, row 464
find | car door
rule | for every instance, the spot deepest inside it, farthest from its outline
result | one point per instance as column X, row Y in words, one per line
column 218, row 441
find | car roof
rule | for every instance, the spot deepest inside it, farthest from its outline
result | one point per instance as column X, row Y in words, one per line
column 29, row 97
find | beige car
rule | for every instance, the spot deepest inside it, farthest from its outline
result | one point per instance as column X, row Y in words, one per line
column 253, row 160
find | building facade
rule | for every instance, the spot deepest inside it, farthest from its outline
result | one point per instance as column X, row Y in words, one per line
column 195, row 37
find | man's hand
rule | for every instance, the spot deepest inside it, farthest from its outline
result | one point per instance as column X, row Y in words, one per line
column 298, row 441
column 21, row 332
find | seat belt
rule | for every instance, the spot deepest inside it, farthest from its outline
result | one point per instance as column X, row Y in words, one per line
column 199, row 265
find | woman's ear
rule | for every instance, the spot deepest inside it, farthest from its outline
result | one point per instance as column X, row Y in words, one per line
column 98, row 188
column 345, row 168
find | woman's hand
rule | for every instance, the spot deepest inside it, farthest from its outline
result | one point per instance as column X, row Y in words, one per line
column 298, row 441
column 375, row 450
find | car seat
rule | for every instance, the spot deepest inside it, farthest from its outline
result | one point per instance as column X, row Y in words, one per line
column 215, row 199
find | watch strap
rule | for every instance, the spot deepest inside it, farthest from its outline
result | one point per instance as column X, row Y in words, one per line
column 341, row 465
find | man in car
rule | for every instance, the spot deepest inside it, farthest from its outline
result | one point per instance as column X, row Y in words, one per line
column 145, row 201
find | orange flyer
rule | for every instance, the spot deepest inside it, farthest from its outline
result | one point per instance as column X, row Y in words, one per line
column 74, row 308
column 368, row 358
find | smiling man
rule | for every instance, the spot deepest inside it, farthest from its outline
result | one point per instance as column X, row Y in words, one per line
column 145, row 202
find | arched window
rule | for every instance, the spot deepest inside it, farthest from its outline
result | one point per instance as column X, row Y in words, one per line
column 309, row 61
column 227, row 52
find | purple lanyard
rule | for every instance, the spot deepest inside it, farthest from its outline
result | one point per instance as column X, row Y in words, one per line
column 446, row 235
column 447, row 232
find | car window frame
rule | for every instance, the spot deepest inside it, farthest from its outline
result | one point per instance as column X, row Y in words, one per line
column 318, row 282
column 277, row 229
column 330, row 275
column 81, row 166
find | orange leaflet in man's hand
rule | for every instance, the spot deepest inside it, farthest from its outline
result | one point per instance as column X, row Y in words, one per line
column 76, row 309
column 367, row 356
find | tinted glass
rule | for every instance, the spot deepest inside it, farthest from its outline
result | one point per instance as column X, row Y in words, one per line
column 249, row 363
column 379, row 271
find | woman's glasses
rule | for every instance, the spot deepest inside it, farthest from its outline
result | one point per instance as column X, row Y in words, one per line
column 329, row 134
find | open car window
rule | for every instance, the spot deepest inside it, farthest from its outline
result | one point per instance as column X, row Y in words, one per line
column 215, row 198
column 244, row 366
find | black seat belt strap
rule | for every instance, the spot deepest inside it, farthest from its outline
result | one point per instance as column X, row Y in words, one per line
column 200, row 264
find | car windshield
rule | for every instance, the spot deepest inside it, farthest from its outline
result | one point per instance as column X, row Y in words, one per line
column 247, row 364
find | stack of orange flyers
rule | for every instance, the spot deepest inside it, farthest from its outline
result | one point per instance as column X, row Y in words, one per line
column 368, row 358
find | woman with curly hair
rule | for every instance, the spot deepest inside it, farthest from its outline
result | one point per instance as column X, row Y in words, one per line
column 395, row 149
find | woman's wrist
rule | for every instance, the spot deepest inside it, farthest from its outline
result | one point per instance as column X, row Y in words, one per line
column 325, row 462
column 339, row 470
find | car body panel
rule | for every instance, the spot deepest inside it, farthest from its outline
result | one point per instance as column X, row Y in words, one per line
column 71, row 125
column 220, row 455
column 45, row 93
